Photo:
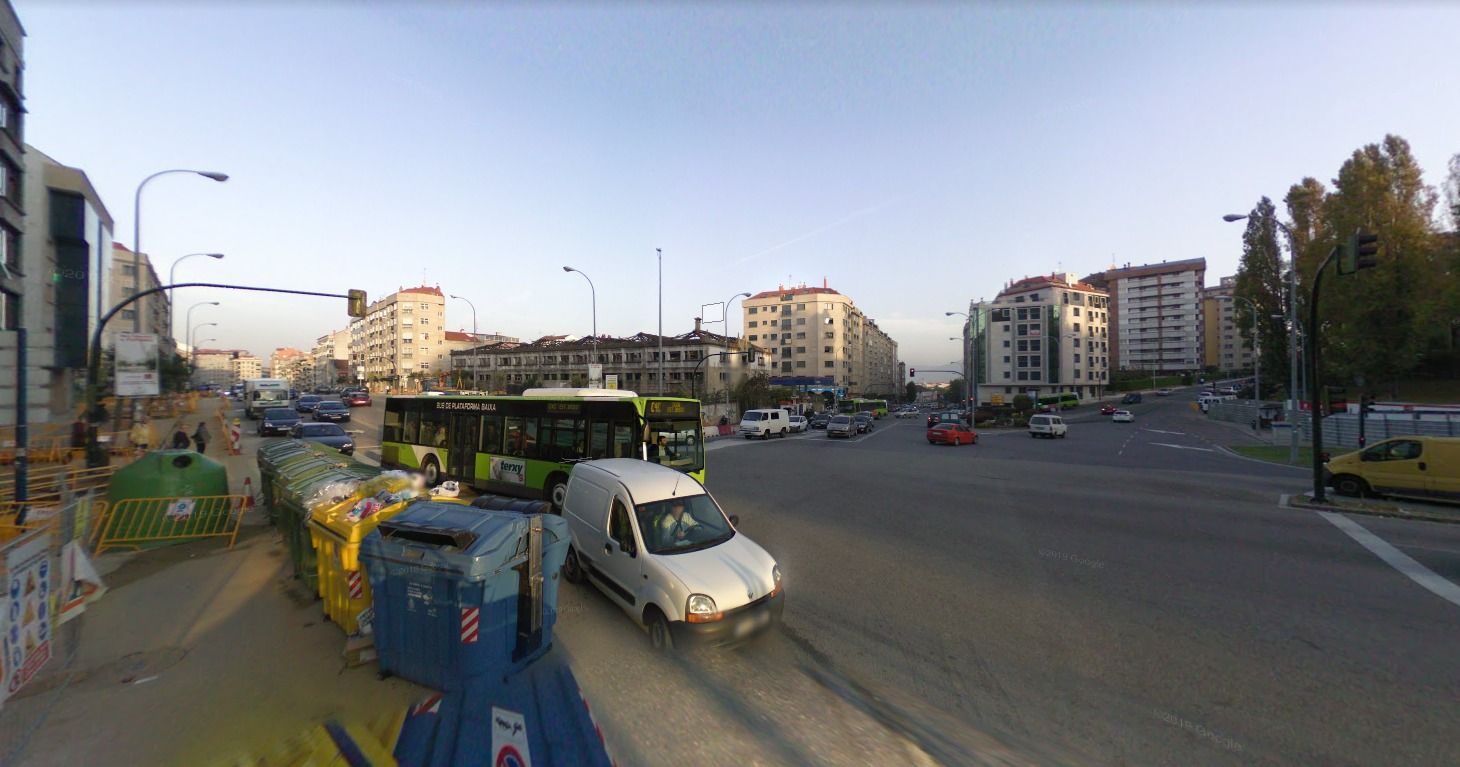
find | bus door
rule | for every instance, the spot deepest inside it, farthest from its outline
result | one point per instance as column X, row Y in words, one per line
column 462, row 449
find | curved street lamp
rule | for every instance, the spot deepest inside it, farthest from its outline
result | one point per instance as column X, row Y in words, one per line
column 137, row 223
column 172, row 279
column 189, row 319
column 593, row 293
column 473, row 316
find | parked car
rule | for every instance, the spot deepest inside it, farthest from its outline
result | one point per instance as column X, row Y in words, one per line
column 1133, row 398
column 700, row 582
column 330, row 434
column 306, row 403
column 820, row 420
column 1228, row 390
column 798, row 423
column 907, row 412
column 765, row 423
column 1123, row 416
column 1414, row 467
column 357, row 399
column 277, row 420
column 1163, row 392
column 332, row 410
column 952, row 433
column 1108, row 410
column 863, row 422
column 841, row 426
column 1045, row 425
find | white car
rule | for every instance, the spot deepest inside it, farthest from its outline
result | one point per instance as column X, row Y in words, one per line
column 1123, row 416
column 657, row 545
column 1049, row 426
column 798, row 423
column 907, row 414
column 1163, row 392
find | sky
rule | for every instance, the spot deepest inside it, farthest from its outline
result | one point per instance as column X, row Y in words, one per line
column 913, row 156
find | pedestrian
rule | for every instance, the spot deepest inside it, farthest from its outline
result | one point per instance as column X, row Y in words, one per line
column 140, row 436
column 78, row 433
column 200, row 437
column 180, row 437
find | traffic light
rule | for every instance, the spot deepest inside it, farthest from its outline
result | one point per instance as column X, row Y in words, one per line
column 357, row 303
column 912, row 372
column 1360, row 252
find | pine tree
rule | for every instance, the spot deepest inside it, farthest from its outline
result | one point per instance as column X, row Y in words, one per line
column 1260, row 281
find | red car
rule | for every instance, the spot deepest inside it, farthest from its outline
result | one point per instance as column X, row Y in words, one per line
column 357, row 399
column 1107, row 410
column 952, row 433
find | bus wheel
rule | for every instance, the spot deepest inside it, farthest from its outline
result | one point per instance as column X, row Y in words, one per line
column 557, row 492
column 431, row 471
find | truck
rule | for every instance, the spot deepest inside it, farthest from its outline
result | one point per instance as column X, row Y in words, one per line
column 260, row 394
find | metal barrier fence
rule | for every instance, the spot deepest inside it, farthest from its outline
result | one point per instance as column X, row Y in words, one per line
column 52, row 484
column 1342, row 429
column 137, row 522
column 36, row 573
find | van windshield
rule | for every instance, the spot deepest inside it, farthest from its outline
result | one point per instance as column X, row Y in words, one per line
column 683, row 524
column 751, row 416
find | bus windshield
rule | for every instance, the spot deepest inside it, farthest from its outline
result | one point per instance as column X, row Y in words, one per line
column 677, row 443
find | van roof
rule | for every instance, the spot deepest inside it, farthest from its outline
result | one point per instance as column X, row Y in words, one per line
column 647, row 481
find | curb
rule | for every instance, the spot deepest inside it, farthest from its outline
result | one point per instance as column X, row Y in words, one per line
column 1289, row 501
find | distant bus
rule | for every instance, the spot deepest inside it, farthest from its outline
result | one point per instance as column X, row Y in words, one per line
column 1060, row 401
column 526, row 446
column 262, row 393
column 878, row 407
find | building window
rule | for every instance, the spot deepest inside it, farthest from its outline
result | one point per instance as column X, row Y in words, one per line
column 1023, row 346
column 828, row 364
column 826, row 350
column 1006, row 343
column 800, row 336
column 801, row 363
column 1023, row 376
column 129, row 314
column 1006, row 359
column 752, row 310
column 754, row 337
column 800, row 320
column 754, row 324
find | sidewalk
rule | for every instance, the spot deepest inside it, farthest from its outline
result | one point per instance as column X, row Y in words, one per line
column 198, row 653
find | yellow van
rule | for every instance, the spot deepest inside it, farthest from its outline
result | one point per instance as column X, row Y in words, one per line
column 1415, row 467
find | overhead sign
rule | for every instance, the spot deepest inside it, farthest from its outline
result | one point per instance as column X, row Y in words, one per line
column 135, row 365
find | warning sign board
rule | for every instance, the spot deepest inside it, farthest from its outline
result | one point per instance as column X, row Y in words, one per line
column 28, row 613
column 509, row 739
column 181, row 509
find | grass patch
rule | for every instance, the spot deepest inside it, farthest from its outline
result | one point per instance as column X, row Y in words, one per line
column 1274, row 453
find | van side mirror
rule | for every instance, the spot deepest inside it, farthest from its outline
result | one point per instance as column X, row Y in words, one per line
column 734, row 520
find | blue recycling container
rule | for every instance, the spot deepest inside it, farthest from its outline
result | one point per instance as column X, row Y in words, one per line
column 458, row 592
column 536, row 716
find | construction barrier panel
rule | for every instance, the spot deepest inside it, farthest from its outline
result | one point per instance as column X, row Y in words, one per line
column 145, row 522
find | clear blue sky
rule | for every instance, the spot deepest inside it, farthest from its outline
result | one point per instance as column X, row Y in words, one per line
column 915, row 157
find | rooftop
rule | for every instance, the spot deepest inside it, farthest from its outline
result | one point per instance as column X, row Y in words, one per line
column 798, row 291
column 1048, row 281
column 638, row 340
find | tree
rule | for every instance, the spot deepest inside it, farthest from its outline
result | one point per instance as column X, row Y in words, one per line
column 1022, row 403
column 956, row 390
column 912, row 391
column 1378, row 324
column 754, row 391
column 1260, row 281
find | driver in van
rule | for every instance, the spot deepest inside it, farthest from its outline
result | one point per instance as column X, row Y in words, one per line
column 674, row 527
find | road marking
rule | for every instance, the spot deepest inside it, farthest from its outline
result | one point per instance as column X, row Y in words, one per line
column 1395, row 558
column 1184, row 447
column 1158, row 431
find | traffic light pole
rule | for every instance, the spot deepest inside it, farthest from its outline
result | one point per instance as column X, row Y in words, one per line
column 1315, row 380
column 95, row 456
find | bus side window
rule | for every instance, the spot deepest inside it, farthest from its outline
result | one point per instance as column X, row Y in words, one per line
column 598, row 440
column 491, row 434
column 391, row 430
column 530, row 444
column 516, row 436
column 412, row 424
column 623, row 441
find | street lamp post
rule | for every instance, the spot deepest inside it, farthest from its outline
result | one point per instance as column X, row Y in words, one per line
column 193, row 332
column 189, row 320
column 970, row 354
column 473, row 316
column 660, row 253
column 172, row 280
column 593, row 296
column 1292, row 333
column 137, row 228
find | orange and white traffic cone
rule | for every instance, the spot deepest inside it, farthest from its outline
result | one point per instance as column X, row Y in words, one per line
column 247, row 493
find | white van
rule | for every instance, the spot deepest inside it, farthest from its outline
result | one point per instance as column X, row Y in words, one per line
column 1047, row 426
column 765, row 422
column 657, row 545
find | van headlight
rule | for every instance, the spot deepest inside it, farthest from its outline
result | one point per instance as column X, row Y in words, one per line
column 701, row 609
column 776, row 579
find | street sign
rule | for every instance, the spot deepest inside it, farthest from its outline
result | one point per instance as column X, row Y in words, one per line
column 998, row 399
column 136, row 365
column 595, row 376
column 611, row 381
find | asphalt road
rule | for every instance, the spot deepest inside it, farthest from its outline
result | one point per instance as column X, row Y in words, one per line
column 1131, row 594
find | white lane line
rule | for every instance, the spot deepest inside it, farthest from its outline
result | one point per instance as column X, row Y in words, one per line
column 1184, row 447
column 1158, row 431
column 1395, row 558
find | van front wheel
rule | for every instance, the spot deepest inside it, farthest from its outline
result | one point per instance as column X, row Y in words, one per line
column 1349, row 485
column 572, row 568
column 659, row 635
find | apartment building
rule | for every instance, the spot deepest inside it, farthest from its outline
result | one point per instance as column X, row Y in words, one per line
column 12, row 170
column 214, row 367
column 1050, row 334
column 1156, row 311
column 132, row 273
column 401, row 339
column 245, row 366
column 689, row 367
column 1226, row 348
column 293, row 365
column 329, row 359
column 819, row 332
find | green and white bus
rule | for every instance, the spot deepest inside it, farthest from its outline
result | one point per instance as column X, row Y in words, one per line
column 877, row 407
column 526, row 446
column 1059, row 401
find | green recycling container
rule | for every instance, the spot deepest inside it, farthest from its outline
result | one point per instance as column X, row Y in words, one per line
column 172, row 474
column 271, row 455
column 294, row 469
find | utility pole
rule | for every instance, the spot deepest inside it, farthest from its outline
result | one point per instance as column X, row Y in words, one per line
column 660, row 252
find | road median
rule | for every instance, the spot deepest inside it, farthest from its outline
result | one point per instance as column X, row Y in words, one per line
column 1376, row 507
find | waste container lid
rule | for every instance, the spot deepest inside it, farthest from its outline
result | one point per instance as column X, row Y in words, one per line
column 472, row 541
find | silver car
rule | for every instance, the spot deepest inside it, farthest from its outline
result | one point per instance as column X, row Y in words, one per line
column 841, row 426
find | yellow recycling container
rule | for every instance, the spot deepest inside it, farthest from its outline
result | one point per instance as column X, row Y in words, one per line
column 337, row 531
